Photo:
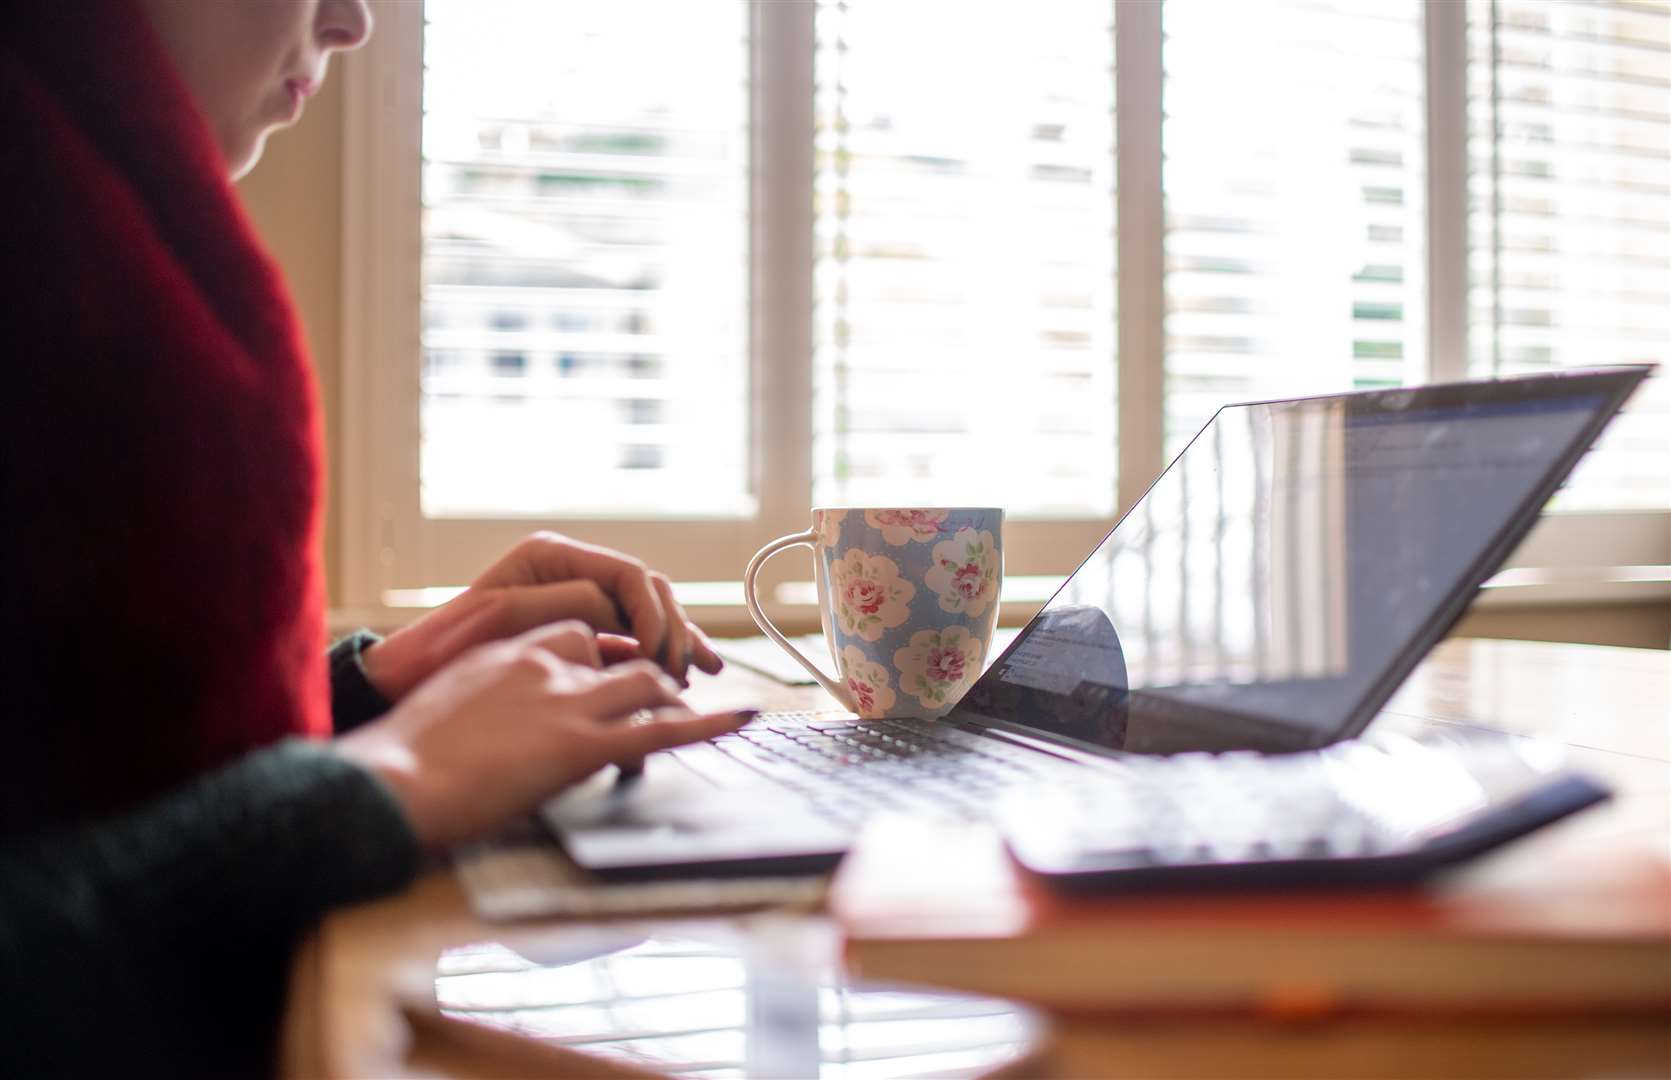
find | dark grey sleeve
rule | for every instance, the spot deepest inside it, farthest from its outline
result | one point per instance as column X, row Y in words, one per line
column 161, row 940
column 354, row 701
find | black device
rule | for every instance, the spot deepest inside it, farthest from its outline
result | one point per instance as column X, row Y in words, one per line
column 1259, row 603
column 1383, row 809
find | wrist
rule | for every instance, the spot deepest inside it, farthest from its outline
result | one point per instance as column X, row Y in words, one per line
column 355, row 699
column 370, row 658
column 381, row 667
column 393, row 764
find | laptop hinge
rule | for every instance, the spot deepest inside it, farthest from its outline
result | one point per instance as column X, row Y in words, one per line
column 990, row 728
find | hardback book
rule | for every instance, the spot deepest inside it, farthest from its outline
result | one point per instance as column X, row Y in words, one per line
column 944, row 905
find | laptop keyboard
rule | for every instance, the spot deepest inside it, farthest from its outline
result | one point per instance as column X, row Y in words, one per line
column 1206, row 808
column 1354, row 800
column 848, row 769
column 1353, row 804
column 1188, row 807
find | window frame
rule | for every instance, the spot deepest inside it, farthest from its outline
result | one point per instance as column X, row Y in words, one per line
column 389, row 545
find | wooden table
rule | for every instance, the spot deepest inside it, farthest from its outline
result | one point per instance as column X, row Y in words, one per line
column 361, row 983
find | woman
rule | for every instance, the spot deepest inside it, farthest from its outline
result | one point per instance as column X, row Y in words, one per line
column 175, row 815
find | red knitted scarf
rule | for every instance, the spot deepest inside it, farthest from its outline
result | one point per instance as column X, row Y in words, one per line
column 160, row 484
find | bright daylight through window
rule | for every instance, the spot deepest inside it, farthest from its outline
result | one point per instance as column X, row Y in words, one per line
column 1569, row 158
column 1293, row 178
column 640, row 299
column 964, row 274
column 585, row 269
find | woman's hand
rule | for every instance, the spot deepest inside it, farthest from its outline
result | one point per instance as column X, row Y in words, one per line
column 512, row 722
column 544, row 579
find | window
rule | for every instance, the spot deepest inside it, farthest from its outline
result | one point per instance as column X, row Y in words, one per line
column 1294, row 173
column 1569, row 158
column 689, row 267
column 963, row 267
column 585, row 217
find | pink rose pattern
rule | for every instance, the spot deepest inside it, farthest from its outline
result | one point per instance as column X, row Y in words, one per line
column 867, row 597
column 904, row 526
column 965, row 573
column 868, row 594
column 867, row 682
column 938, row 665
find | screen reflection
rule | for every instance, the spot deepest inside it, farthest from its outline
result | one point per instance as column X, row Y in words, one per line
column 1278, row 570
column 688, row 1007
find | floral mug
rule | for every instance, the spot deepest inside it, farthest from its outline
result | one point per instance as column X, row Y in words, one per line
column 908, row 598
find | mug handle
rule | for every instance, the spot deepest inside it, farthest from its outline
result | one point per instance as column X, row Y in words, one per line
column 807, row 539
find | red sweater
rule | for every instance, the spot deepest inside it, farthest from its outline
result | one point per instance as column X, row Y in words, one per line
column 160, row 489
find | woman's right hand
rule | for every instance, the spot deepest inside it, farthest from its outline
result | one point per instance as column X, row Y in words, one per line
column 506, row 725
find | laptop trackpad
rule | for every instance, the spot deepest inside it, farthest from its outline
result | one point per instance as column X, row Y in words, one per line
column 671, row 823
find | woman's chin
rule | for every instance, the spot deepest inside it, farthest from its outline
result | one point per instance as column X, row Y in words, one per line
column 240, row 160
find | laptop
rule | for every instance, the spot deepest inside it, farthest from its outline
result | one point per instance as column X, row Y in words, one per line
column 1233, row 635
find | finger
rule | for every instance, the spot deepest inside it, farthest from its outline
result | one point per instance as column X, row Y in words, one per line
column 676, row 652
column 616, row 649
column 667, row 727
column 571, row 640
column 512, row 610
column 626, row 688
column 548, row 556
column 628, row 581
column 698, row 649
column 705, row 656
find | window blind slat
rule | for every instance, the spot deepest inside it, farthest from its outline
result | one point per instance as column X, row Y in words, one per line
column 1293, row 179
column 964, row 283
column 1570, row 223
column 585, row 259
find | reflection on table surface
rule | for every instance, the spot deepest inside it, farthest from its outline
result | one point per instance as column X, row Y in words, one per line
column 696, row 1008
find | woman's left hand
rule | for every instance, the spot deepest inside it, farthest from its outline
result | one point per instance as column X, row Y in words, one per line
column 544, row 579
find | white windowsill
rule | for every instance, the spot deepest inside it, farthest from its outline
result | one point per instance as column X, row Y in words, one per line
column 718, row 605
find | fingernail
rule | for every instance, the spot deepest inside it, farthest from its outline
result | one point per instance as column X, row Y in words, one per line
column 748, row 714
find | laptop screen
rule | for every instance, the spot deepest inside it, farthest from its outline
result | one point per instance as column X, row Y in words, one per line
column 1272, row 584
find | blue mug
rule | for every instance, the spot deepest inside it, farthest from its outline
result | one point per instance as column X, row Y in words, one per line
column 908, row 597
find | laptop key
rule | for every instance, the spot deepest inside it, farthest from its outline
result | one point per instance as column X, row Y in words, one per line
column 847, row 768
column 768, row 765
